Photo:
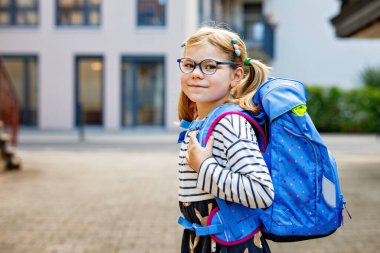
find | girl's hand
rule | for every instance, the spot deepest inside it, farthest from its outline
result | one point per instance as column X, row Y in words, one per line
column 196, row 154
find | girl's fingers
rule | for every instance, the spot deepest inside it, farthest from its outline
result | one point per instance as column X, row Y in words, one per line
column 210, row 143
column 193, row 137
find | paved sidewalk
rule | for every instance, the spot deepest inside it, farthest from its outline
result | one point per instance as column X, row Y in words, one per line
column 117, row 194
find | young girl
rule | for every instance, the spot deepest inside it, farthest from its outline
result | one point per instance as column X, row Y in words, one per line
column 231, row 165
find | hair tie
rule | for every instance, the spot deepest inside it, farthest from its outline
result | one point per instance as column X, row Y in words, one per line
column 236, row 47
column 183, row 44
column 247, row 61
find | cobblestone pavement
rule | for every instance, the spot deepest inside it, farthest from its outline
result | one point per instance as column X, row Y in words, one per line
column 115, row 198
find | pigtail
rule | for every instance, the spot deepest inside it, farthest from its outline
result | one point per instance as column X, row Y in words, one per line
column 244, row 92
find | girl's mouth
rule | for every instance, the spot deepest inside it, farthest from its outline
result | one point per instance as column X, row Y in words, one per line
column 196, row 86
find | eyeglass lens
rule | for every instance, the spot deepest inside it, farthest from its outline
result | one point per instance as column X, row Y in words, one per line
column 207, row 66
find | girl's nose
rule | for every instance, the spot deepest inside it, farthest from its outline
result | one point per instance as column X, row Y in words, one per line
column 197, row 72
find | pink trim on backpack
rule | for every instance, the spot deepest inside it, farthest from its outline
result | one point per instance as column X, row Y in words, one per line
column 257, row 126
column 220, row 241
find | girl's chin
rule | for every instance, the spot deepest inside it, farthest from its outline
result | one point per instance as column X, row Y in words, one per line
column 204, row 100
column 199, row 100
column 196, row 99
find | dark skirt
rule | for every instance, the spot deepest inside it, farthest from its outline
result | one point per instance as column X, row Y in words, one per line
column 197, row 212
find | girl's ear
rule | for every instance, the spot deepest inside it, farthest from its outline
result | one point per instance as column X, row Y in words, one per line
column 237, row 76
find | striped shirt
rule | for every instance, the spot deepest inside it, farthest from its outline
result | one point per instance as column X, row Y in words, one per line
column 236, row 172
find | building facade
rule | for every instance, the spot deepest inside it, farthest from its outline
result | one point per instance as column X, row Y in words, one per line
column 112, row 64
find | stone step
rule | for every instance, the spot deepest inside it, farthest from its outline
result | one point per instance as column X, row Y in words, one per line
column 4, row 138
column 9, row 160
column 14, row 163
column 3, row 165
column 9, row 150
column 12, row 160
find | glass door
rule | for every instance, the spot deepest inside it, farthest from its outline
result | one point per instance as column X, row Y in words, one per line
column 22, row 71
column 89, row 90
column 143, row 91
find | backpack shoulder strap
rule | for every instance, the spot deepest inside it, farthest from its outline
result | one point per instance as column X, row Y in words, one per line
column 229, row 217
column 204, row 135
column 222, row 111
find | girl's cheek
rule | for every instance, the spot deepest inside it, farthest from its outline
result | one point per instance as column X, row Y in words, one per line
column 183, row 81
column 182, row 86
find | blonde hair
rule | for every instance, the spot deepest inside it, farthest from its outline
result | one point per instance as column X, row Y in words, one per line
column 244, row 91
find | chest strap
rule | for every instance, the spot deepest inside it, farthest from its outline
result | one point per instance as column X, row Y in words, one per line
column 199, row 229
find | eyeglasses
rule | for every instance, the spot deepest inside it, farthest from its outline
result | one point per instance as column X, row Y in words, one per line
column 207, row 66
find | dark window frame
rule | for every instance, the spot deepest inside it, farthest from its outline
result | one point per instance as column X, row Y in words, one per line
column 14, row 10
column 25, row 58
column 134, row 59
column 139, row 18
column 86, row 10
column 253, row 14
column 77, row 106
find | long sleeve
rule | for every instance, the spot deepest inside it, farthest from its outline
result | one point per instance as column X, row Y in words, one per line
column 237, row 171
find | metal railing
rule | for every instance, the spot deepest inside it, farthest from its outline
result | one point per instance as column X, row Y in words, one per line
column 9, row 105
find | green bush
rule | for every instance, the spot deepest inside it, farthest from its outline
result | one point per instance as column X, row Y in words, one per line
column 336, row 110
column 371, row 77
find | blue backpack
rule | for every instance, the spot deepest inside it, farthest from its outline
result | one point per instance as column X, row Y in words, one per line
column 308, row 202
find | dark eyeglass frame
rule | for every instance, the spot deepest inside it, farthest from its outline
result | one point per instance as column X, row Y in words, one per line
column 200, row 65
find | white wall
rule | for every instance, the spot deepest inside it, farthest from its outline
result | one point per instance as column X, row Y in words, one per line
column 307, row 49
column 56, row 48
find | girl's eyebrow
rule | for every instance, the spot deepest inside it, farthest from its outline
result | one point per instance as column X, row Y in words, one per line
column 206, row 58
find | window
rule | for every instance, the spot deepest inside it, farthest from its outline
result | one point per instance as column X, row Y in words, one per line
column 142, row 91
column 78, row 12
column 18, row 12
column 151, row 12
column 253, row 22
column 89, row 90
column 22, row 71
column 258, row 32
